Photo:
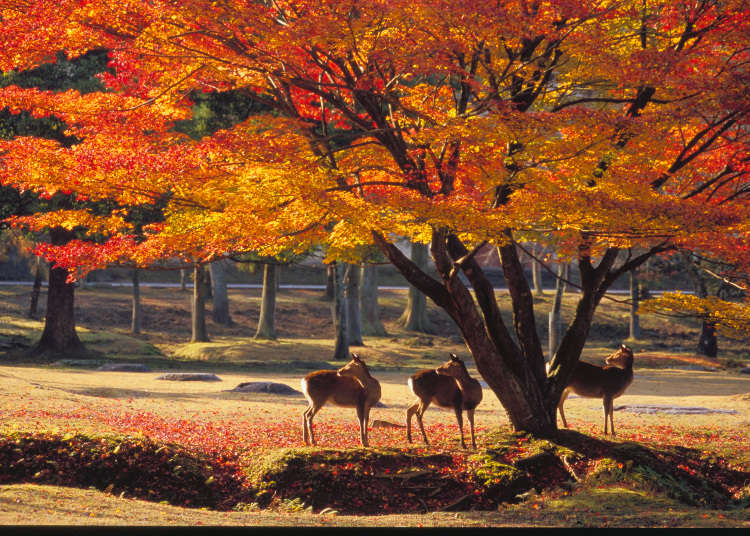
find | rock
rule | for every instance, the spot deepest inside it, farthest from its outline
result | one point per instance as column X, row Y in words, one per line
column 266, row 387
column 745, row 370
column 386, row 424
column 701, row 368
column 80, row 363
column 380, row 405
column 190, row 377
column 124, row 367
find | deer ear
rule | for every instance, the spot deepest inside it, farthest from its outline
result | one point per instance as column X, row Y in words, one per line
column 454, row 357
column 355, row 357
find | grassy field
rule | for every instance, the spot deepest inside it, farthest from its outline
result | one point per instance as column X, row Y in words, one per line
column 206, row 418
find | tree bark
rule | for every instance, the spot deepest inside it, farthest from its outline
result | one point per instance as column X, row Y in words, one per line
column 414, row 317
column 368, row 302
column 329, row 290
column 198, row 309
column 266, row 322
column 220, row 312
column 340, row 313
column 354, row 315
column 59, row 335
column 555, row 319
column 183, row 279
column 634, row 324
column 36, row 288
column 135, row 319
column 536, row 270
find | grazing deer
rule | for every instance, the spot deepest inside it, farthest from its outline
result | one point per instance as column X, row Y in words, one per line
column 606, row 382
column 448, row 386
column 350, row 386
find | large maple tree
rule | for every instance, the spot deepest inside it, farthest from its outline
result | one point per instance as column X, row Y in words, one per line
column 597, row 126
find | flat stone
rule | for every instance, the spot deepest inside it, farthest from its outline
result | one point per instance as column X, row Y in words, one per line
column 745, row 370
column 386, row 424
column 124, row 367
column 190, row 377
column 80, row 363
column 701, row 368
column 673, row 410
column 266, row 387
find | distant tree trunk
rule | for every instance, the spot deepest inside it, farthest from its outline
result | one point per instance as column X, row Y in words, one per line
column 555, row 319
column 536, row 270
column 635, row 325
column 199, row 331
column 183, row 279
column 220, row 311
column 135, row 321
column 37, row 288
column 707, row 342
column 339, row 309
column 354, row 315
column 59, row 335
column 328, row 293
column 414, row 317
column 368, row 302
column 266, row 323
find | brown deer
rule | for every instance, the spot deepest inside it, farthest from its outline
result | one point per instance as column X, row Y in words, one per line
column 448, row 386
column 350, row 386
column 606, row 382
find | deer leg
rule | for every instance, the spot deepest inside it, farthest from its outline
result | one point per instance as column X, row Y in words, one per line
column 470, row 416
column 563, row 396
column 609, row 411
column 305, row 433
column 420, row 411
column 605, row 402
column 460, row 419
column 362, row 426
column 311, row 411
column 411, row 410
column 367, row 423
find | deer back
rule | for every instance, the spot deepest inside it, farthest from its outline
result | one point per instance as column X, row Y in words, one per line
column 357, row 369
column 611, row 380
column 327, row 385
column 471, row 389
column 431, row 386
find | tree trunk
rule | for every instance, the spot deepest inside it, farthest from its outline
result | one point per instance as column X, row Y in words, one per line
column 183, row 279
column 414, row 317
column 135, row 320
column 340, row 313
column 635, row 325
column 708, row 344
column 36, row 288
column 59, row 335
column 354, row 315
column 266, row 323
column 555, row 319
column 199, row 331
column 368, row 302
column 220, row 312
column 536, row 270
column 329, row 291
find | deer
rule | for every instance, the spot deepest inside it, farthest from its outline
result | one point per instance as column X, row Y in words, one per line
column 606, row 382
column 448, row 386
column 350, row 386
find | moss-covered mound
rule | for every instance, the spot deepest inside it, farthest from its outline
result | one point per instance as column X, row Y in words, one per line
column 135, row 466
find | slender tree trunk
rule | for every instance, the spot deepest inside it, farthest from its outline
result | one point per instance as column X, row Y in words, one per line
column 329, row 290
column 220, row 310
column 414, row 317
column 536, row 270
column 368, row 302
column 635, row 325
column 354, row 315
column 59, row 335
column 135, row 320
column 199, row 331
column 183, row 279
column 36, row 288
column 266, row 324
column 707, row 342
column 555, row 319
column 340, row 313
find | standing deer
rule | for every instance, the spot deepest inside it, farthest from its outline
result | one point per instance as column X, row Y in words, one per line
column 606, row 382
column 350, row 386
column 448, row 386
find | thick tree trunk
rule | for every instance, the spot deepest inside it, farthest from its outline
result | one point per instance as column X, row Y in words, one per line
column 266, row 322
column 36, row 288
column 708, row 344
column 59, row 335
column 634, row 325
column 368, row 302
column 135, row 319
column 340, row 313
column 354, row 316
column 414, row 317
column 220, row 312
column 198, row 309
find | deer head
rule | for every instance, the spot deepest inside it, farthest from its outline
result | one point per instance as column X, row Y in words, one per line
column 621, row 357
